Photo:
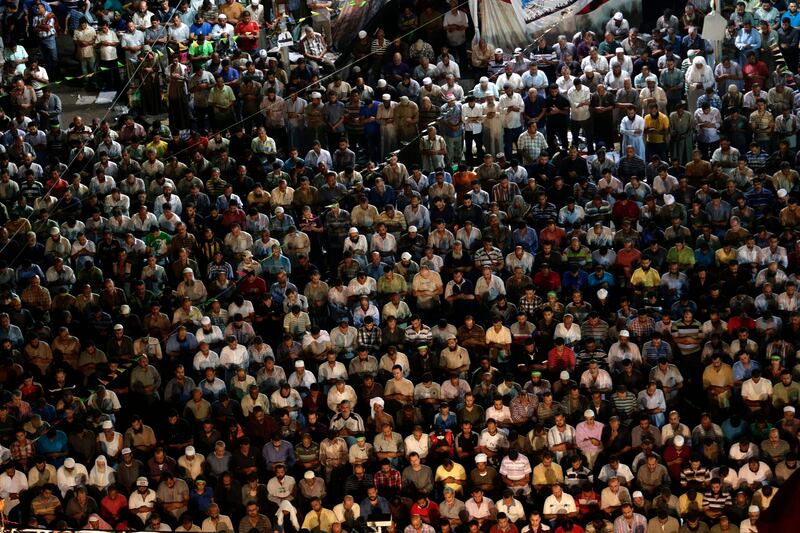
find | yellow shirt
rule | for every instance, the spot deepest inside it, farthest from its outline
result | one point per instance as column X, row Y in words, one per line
column 651, row 278
column 723, row 257
column 660, row 123
column 323, row 521
column 457, row 472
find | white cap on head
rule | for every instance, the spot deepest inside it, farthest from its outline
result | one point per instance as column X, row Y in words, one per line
column 362, row 34
column 427, row 81
column 315, row 94
column 498, row 51
column 124, row 309
column 602, row 294
column 480, row 458
column 669, row 199
column 678, row 440
column 412, row 229
column 617, row 16
column 484, row 79
column 190, row 451
column 279, row 210
column 381, row 83
column 782, row 193
column 309, row 474
column 299, row 364
column 107, row 424
column 624, row 333
column 406, row 256
column 788, row 409
column 141, row 482
column 126, row 451
column 386, row 97
column 205, row 321
column 619, row 51
column 518, row 50
column 564, row 375
column 753, row 509
column 588, row 69
column 353, row 230
column 588, row 413
column 637, row 494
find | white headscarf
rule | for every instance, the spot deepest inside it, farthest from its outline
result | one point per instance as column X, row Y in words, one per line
column 289, row 508
column 372, row 403
column 102, row 475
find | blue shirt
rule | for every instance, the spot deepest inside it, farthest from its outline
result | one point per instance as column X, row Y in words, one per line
column 284, row 453
column 200, row 29
column 534, row 107
column 371, row 128
column 201, row 502
column 45, row 446
column 529, row 241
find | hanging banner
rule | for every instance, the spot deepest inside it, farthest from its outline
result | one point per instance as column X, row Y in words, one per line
column 353, row 16
column 508, row 24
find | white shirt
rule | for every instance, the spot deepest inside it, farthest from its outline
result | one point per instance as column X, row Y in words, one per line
column 554, row 506
column 231, row 358
column 511, row 119
column 12, row 485
column 577, row 97
column 137, row 500
column 459, row 18
column 514, row 79
column 756, row 391
column 472, row 112
column 421, row 446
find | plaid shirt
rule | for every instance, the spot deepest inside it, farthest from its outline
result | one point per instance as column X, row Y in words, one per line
column 530, row 146
column 370, row 338
column 388, row 480
column 36, row 297
column 22, row 452
column 529, row 307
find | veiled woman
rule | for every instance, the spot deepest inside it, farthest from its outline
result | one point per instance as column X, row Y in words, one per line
column 177, row 95
column 150, row 83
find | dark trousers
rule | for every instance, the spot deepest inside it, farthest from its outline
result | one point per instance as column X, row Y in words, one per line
column 111, row 78
column 659, row 149
column 477, row 138
column 204, row 116
column 510, row 136
column 576, row 126
column 707, row 148
column 557, row 134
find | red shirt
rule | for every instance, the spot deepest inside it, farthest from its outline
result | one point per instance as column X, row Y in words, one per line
column 430, row 513
column 628, row 210
column 546, row 283
column 244, row 41
column 564, row 361
column 754, row 73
